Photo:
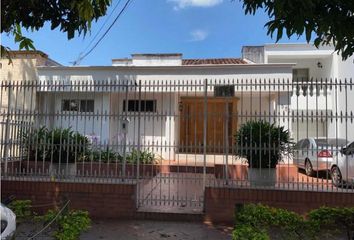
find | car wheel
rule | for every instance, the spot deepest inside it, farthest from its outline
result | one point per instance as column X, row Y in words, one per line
column 336, row 176
column 308, row 168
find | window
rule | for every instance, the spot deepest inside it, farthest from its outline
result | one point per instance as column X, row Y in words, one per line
column 224, row 91
column 349, row 151
column 75, row 105
column 70, row 105
column 331, row 142
column 142, row 105
column 306, row 144
column 87, row 106
column 301, row 75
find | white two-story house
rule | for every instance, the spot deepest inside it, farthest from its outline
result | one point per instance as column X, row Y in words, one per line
column 325, row 106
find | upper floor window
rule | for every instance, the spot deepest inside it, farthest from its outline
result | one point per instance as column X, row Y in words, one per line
column 140, row 105
column 76, row 105
column 224, row 91
column 301, row 75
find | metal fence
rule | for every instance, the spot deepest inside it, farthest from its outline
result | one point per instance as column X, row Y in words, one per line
column 174, row 138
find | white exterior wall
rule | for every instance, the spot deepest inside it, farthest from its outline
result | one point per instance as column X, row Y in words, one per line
column 346, row 68
column 335, row 103
column 327, row 71
column 86, row 125
column 160, row 131
column 166, row 74
column 157, row 129
column 345, row 98
column 143, row 60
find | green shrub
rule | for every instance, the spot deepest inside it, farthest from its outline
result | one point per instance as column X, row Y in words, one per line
column 333, row 220
column 108, row 155
column 21, row 208
column 145, row 157
column 70, row 224
column 57, row 145
column 255, row 222
column 258, row 221
column 105, row 156
column 246, row 232
column 262, row 143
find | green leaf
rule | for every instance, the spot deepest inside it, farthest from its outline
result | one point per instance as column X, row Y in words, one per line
column 308, row 33
column 18, row 29
column 279, row 34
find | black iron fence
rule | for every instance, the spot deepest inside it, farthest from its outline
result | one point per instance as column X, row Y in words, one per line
column 174, row 138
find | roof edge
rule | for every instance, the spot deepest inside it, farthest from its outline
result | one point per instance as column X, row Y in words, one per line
column 171, row 67
column 156, row 55
column 28, row 52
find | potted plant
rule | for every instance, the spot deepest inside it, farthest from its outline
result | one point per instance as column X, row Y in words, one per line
column 262, row 144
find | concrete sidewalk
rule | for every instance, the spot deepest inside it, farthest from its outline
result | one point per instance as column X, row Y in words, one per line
column 151, row 230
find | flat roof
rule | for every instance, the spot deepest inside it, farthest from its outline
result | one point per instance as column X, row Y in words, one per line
column 262, row 65
column 156, row 54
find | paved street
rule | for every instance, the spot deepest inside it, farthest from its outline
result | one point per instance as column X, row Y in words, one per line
column 151, row 230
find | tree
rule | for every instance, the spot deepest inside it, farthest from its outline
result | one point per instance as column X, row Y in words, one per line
column 70, row 16
column 331, row 21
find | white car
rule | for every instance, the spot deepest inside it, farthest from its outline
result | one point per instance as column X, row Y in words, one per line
column 317, row 154
column 8, row 222
column 342, row 167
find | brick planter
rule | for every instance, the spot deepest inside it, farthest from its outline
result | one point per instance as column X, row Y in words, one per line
column 83, row 169
column 220, row 202
column 284, row 173
column 115, row 170
column 27, row 167
column 235, row 172
column 188, row 169
column 100, row 200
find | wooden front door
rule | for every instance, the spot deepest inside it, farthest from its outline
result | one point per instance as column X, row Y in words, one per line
column 221, row 124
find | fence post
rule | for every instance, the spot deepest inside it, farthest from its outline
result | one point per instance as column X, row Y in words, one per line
column 138, row 146
column 7, row 129
column 205, row 122
column 125, row 122
column 226, row 142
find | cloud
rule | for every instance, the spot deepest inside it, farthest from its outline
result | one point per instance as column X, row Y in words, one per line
column 180, row 4
column 198, row 35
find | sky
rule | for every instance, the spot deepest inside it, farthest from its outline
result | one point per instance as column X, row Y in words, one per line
column 195, row 28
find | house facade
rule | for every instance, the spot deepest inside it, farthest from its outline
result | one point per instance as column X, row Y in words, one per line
column 165, row 102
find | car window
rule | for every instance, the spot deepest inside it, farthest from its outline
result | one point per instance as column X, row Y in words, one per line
column 306, row 144
column 331, row 142
column 350, row 149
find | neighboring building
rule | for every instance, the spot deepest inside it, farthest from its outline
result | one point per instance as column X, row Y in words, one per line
column 16, row 99
column 22, row 67
column 319, row 66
